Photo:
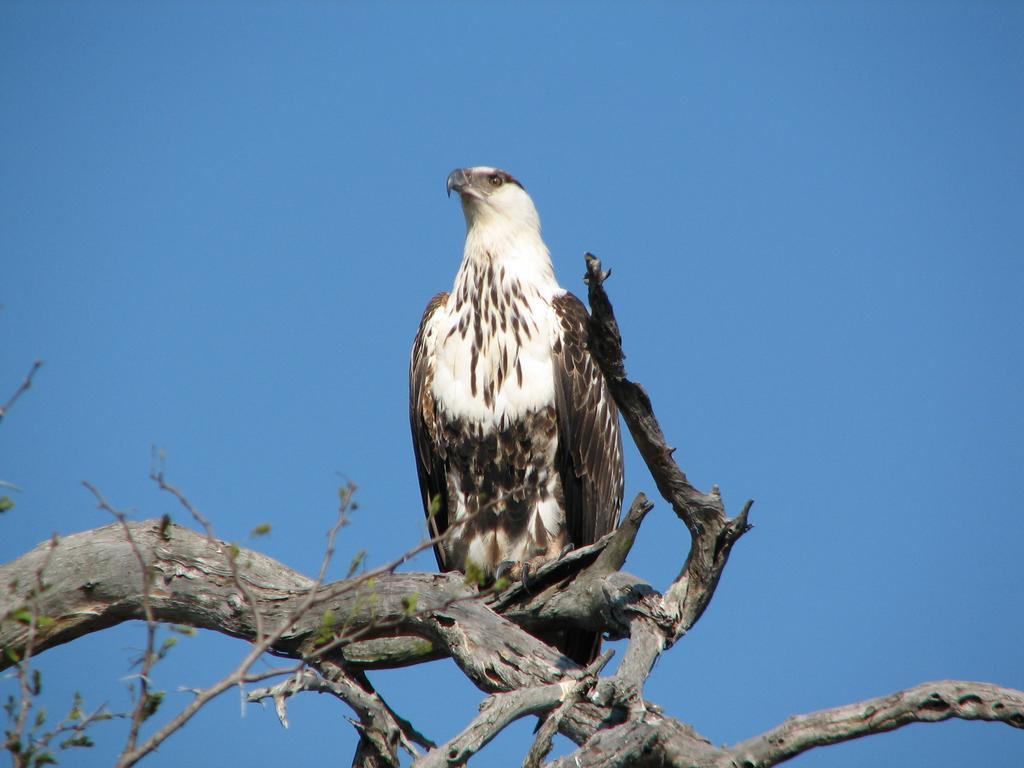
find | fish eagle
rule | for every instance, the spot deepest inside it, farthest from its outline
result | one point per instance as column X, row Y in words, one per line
column 514, row 429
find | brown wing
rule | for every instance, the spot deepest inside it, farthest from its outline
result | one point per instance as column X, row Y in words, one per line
column 589, row 450
column 590, row 443
column 430, row 458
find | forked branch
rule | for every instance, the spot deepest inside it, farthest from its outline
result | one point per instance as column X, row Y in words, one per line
column 712, row 532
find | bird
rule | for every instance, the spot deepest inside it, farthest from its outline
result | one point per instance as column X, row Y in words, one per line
column 515, row 431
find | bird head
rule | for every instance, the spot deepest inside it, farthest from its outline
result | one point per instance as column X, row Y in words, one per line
column 492, row 197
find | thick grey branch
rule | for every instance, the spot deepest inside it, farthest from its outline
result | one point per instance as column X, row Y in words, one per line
column 496, row 712
column 550, row 726
column 501, row 709
column 193, row 585
column 649, row 741
column 928, row 703
column 586, row 588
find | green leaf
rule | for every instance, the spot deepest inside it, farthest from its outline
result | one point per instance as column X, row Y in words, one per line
column 152, row 704
column 356, row 563
column 260, row 530
column 76, row 708
column 345, row 494
column 6, row 504
column 43, row 758
column 80, row 740
column 40, row 717
column 474, row 574
column 435, row 505
column 22, row 615
column 169, row 643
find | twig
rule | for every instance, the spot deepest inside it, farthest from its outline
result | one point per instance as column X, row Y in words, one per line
column 144, row 704
column 351, row 687
column 262, row 643
column 79, row 726
column 303, row 679
column 231, row 552
column 381, row 730
column 26, row 384
column 27, row 685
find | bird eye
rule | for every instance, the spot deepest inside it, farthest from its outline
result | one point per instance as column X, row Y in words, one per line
column 496, row 180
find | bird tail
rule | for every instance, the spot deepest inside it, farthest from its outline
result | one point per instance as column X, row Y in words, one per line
column 580, row 645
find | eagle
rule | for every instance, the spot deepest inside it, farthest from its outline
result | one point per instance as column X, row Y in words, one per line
column 515, row 432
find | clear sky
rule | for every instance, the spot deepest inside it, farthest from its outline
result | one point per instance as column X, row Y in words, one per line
column 220, row 223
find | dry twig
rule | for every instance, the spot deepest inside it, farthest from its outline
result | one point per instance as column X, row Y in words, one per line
column 26, row 384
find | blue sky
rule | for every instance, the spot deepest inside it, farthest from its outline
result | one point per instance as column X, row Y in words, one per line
column 220, row 223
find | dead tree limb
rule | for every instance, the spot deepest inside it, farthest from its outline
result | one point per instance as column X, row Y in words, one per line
column 713, row 533
column 382, row 732
column 928, row 703
column 193, row 586
column 387, row 619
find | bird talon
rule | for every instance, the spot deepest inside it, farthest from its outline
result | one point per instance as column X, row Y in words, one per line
column 505, row 570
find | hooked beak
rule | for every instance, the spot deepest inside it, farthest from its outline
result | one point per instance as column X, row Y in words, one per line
column 457, row 180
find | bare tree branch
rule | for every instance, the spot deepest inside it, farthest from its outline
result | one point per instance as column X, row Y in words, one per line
column 712, row 531
column 549, row 727
column 262, row 641
column 928, row 703
column 230, row 552
column 146, row 702
column 496, row 713
column 381, row 731
column 191, row 586
column 499, row 710
column 648, row 741
column 26, row 613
